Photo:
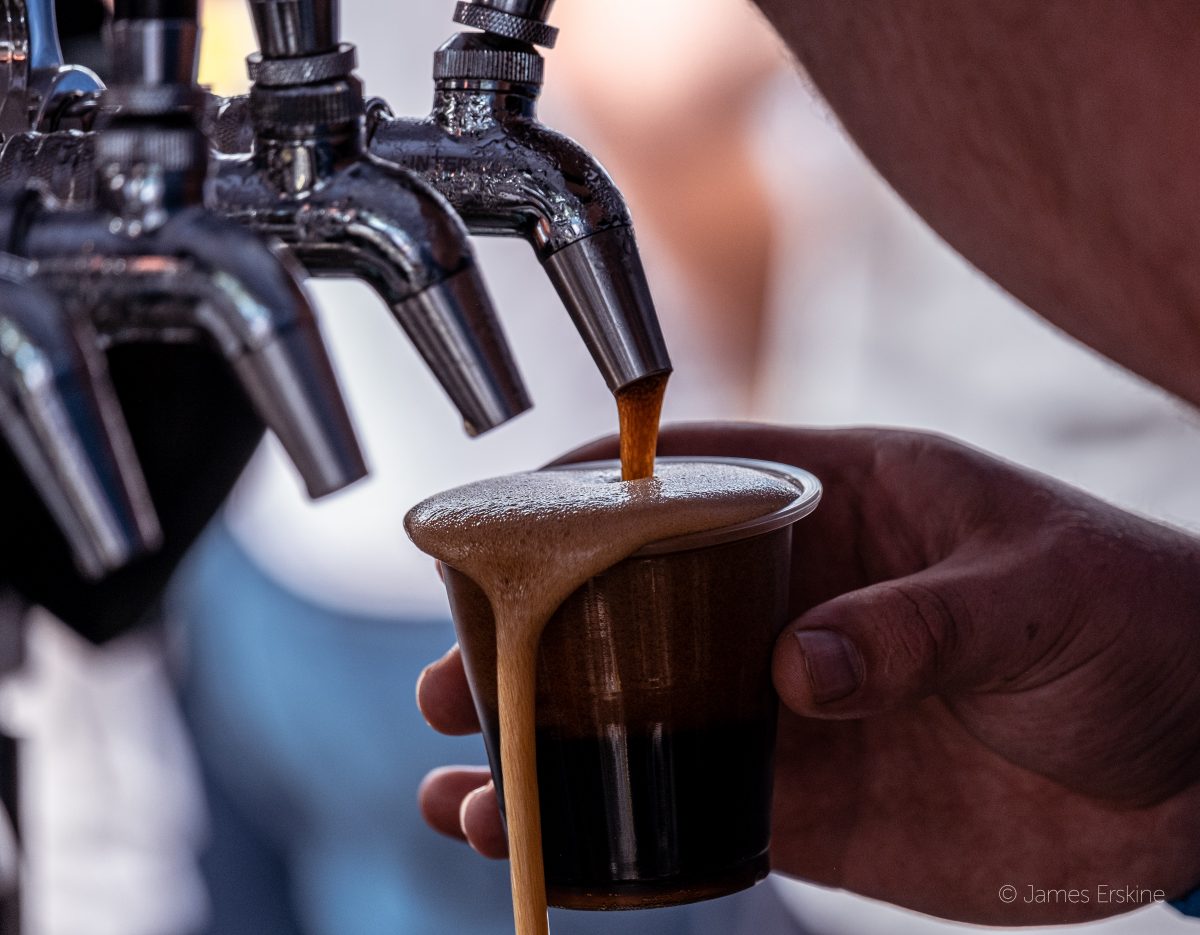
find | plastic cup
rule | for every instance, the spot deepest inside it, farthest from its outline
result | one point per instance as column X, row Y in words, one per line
column 655, row 711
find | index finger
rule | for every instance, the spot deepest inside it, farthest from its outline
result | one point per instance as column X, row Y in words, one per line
column 445, row 698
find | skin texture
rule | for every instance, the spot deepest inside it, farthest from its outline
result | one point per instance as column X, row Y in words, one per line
column 1049, row 142
column 1017, row 699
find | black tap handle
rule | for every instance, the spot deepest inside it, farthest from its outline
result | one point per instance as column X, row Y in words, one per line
column 156, row 9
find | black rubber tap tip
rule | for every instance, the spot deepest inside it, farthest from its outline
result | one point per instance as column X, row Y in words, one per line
column 156, row 9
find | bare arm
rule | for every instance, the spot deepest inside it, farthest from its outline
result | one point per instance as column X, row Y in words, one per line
column 1055, row 143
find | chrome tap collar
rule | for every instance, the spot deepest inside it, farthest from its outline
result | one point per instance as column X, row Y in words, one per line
column 475, row 57
column 305, row 111
column 306, row 69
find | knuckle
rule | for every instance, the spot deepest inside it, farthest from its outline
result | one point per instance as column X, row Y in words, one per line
column 922, row 632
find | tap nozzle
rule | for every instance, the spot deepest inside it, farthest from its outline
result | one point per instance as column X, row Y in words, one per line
column 454, row 327
column 603, row 286
column 60, row 416
column 508, row 174
column 253, row 307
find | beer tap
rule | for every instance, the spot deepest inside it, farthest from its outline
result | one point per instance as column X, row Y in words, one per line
column 37, row 90
column 45, row 106
column 149, row 263
column 507, row 174
column 310, row 181
column 59, row 414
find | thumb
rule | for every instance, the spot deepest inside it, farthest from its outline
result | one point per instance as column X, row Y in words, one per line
column 871, row 650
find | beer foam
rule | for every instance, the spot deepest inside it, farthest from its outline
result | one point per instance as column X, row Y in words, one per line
column 537, row 536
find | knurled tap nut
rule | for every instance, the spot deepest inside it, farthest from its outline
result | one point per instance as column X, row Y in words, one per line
column 308, row 69
column 319, row 105
column 489, row 65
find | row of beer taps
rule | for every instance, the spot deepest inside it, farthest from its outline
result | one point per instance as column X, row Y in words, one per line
column 150, row 211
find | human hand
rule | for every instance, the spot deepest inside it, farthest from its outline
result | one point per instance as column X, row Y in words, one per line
column 990, row 682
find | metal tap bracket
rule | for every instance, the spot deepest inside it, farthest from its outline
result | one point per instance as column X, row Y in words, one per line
column 484, row 149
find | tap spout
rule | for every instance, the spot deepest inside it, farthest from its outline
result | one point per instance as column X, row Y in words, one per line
column 60, row 416
column 253, row 306
column 508, row 174
column 199, row 277
column 455, row 329
column 603, row 286
column 379, row 224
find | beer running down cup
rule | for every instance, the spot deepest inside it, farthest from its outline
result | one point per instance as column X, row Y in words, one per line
column 655, row 711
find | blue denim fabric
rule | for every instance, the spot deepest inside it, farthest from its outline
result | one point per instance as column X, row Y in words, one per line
column 1189, row 905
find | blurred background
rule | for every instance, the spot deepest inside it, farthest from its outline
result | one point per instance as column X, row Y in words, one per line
column 252, row 766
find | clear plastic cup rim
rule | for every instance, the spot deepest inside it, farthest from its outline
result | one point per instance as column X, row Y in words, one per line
column 808, row 495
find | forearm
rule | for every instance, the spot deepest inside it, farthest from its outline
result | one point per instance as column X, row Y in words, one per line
column 1053, row 143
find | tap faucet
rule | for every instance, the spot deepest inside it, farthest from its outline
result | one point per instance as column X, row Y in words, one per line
column 507, row 174
column 37, row 90
column 310, row 181
column 46, row 107
column 59, row 415
column 149, row 263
